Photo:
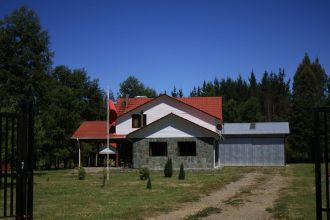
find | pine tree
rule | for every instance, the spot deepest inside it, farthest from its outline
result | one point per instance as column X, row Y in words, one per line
column 307, row 93
column 253, row 85
column 174, row 93
column 25, row 59
column 182, row 174
column 168, row 170
column 193, row 92
column 180, row 94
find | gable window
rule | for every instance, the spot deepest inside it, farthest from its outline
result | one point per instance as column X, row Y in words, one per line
column 157, row 149
column 187, row 148
column 136, row 120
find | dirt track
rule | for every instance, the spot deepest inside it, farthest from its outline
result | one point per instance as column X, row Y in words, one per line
column 247, row 198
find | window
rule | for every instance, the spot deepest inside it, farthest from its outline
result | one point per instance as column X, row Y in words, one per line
column 157, row 148
column 187, row 148
column 136, row 120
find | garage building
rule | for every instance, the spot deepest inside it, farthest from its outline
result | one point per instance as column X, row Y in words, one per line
column 253, row 144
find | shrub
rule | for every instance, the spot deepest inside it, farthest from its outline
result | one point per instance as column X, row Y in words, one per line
column 168, row 170
column 81, row 173
column 182, row 174
column 149, row 183
column 144, row 173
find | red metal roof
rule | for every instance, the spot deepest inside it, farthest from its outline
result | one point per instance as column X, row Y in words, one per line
column 132, row 104
column 97, row 129
column 209, row 105
column 94, row 130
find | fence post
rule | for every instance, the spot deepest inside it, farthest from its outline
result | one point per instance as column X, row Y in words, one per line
column 317, row 165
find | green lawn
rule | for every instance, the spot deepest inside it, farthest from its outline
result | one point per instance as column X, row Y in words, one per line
column 297, row 200
column 59, row 195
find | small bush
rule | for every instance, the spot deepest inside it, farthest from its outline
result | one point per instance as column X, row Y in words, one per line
column 149, row 183
column 81, row 174
column 144, row 173
column 182, row 174
column 168, row 170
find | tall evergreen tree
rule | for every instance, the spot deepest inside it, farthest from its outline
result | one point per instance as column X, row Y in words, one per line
column 25, row 58
column 174, row 93
column 180, row 93
column 253, row 85
column 307, row 93
column 193, row 92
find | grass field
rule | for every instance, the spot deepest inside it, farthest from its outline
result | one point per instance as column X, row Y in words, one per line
column 297, row 199
column 60, row 195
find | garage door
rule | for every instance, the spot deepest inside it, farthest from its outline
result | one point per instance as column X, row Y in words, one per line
column 251, row 152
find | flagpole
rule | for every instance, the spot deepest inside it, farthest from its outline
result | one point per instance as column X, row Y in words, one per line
column 108, row 116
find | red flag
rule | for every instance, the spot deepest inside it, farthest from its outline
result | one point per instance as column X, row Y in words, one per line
column 112, row 112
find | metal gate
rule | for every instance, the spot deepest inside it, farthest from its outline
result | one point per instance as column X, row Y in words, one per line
column 16, row 163
column 321, row 154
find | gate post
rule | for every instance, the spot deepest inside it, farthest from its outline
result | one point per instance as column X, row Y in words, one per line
column 317, row 156
column 24, row 181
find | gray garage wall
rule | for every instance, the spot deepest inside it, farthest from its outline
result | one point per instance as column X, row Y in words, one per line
column 251, row 152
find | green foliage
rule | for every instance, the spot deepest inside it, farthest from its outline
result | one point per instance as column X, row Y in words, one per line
column 267, row 100
column 144, row 173
column 149, row 183
column 308, row 92
column 176, row 93
column 182, row 174
column 81, row 173
column 168, row 170
column 25, row 59
column 74, row 97
column 63, row 97
column 133, row 87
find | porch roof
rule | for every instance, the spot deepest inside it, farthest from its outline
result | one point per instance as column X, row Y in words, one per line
column 95, row 130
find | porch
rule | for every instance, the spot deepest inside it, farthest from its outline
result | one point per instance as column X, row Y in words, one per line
column 88, row 153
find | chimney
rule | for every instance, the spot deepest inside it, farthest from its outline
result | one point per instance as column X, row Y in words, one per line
column 126, row 100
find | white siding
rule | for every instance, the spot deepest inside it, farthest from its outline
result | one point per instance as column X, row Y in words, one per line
column 172, row 127
column 161, row 107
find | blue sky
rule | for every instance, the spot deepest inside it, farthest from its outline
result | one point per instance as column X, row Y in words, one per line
column 165, row 43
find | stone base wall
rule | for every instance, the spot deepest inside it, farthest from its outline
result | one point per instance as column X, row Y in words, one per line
column 204, row 153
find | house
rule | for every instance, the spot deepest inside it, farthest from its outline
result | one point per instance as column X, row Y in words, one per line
column 189, row 130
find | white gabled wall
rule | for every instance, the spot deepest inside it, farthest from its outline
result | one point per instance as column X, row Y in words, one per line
column 161, row 107
column 172, row 127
